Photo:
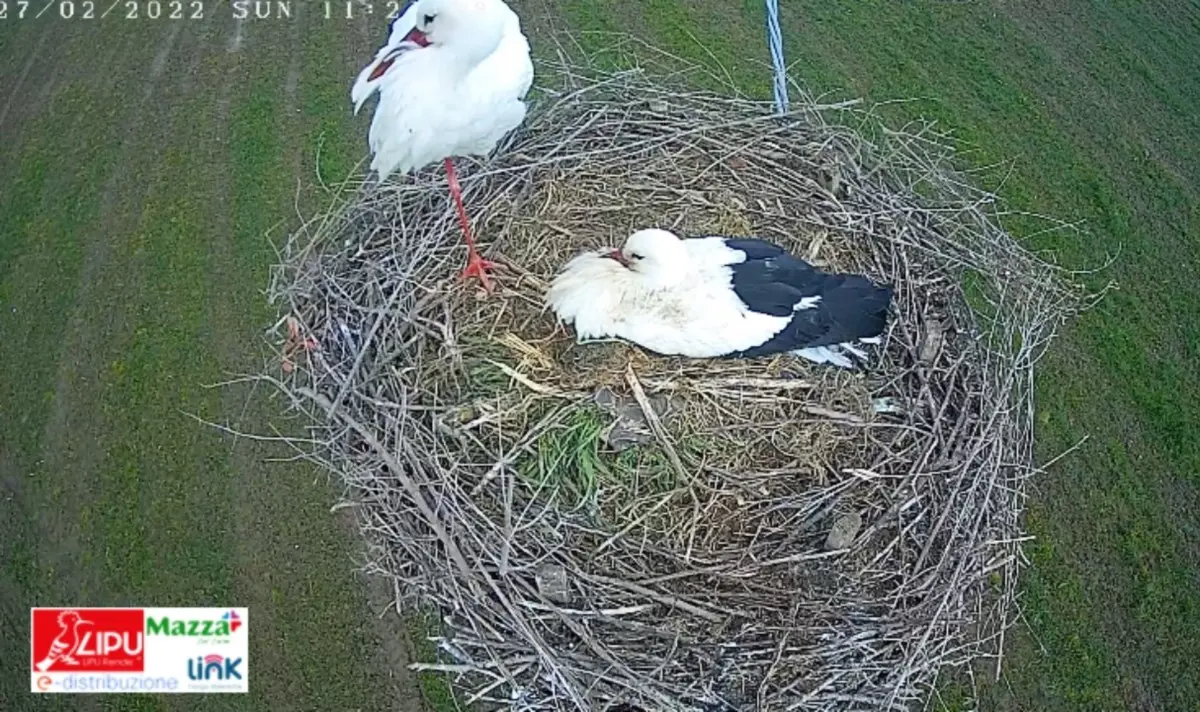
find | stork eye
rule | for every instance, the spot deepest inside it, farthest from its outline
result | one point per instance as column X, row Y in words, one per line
column 428, row 19
column 635, row 256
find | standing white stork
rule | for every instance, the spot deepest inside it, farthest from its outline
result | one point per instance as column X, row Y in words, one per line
column 452, row 80
column 718, row 297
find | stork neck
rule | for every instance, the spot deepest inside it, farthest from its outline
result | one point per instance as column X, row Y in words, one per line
column 451, row 63
column 666, row 276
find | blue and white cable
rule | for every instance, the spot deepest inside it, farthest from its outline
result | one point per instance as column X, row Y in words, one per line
column 775, row 40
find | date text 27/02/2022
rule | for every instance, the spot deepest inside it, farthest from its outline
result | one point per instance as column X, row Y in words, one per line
column 193, row 9
column 85, row 10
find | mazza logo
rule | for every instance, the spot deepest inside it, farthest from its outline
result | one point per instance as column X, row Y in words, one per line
column 87, row 640
column 214, row 667
column 221, row 627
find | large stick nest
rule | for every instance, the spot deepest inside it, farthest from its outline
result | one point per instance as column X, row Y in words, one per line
column 603, row 529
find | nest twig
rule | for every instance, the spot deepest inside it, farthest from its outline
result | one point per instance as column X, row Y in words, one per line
column 693, row 569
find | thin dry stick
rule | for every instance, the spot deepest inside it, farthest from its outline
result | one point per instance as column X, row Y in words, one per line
column 655, row 424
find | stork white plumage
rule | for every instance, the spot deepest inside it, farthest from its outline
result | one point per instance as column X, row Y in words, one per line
column 452, row 80
column 718, row 297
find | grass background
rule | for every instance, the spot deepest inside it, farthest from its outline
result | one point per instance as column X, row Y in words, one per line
column 141, row 162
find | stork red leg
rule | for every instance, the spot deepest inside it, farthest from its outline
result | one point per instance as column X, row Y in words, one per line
column 476, row 265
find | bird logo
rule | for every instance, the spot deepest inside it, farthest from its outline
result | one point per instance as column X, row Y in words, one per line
column 67, row 641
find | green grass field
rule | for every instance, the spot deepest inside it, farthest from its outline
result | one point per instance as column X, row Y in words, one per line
column 142, row 161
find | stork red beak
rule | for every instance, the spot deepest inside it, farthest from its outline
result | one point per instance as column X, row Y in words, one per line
column 619, row 257
column 414, row 36
column 417, row 37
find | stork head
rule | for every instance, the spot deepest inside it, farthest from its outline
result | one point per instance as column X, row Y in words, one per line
column 469, row 29
column 657, row 257
column 596, row 289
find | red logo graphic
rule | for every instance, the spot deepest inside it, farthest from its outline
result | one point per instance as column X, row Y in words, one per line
column 87, row 640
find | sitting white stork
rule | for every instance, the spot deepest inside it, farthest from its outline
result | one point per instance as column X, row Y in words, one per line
column 718, row 297
column 452, row 80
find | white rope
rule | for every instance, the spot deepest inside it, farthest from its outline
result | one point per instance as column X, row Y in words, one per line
column 775, row 40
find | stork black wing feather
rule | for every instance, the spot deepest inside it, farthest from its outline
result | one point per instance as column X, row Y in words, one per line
column 851, row 307
column 755, row 249
column 775, row 285
column 773, row 281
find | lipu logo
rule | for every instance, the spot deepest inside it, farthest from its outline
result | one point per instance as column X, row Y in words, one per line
column 87, row 640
